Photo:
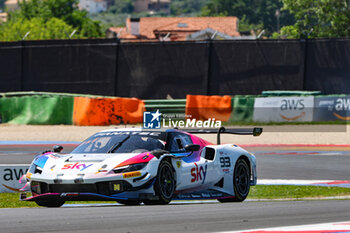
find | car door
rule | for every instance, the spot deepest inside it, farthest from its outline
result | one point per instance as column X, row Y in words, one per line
column 192, row 169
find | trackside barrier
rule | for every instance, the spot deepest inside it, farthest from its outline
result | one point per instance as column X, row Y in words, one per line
column 166, row 106
column 36, row 109
column 10, row 175
column 272, row 106
column 243, row 108
column 107, row 111
column 40, row 93
column 284, row 109
column 289, row 93
column 57, row 108
column 332, row 108
column 203, row 107
column 302, row 108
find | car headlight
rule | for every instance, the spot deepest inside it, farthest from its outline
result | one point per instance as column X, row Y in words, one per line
column 129, row 168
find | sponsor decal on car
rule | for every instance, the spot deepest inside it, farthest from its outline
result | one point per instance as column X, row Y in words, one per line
column 198, row 173
column 116, row 187
column 178, row 164
column 80, row 166
column 225, row 162
column 29, row 175
column 131, row 174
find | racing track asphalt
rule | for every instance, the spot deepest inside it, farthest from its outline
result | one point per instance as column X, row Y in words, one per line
column 272, row 162
column 173, row 218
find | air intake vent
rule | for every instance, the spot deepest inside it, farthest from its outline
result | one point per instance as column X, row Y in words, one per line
column 220, row 183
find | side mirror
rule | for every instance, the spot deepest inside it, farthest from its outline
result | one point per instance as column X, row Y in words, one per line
column 57, row 148
column 257, row 131
column 192, row 147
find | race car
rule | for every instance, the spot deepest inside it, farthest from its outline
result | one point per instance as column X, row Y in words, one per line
column 134, row 166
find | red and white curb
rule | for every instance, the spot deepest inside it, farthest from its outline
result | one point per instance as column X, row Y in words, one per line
column 328, row 183
column 333, row 227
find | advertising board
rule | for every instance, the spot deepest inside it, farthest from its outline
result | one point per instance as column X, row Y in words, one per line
column 10, row 175
column 284, row 109
column 332, row 108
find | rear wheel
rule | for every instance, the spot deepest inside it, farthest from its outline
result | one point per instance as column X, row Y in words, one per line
column 241, row 182
column 164, row 186
column 50, row 203
column 129, row 202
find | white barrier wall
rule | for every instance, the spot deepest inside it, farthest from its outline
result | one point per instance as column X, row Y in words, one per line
column 283, row 109
column 10, row 175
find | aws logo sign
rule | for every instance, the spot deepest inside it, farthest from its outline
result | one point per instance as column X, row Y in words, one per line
column 294, row 105
column 281, row 109
column 342, row 104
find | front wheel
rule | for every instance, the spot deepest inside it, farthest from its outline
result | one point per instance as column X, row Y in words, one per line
column 241, row 182
column 164, row 186
column 50, row 203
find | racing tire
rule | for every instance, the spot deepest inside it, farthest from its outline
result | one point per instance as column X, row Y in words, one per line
column 50, row 203
column 241, row 182
column 129, row 202
column 164, row 185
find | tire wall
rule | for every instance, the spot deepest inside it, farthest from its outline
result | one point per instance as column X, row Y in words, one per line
column 61, row 109
column 50, row 109
column 107, row 111
column 243, row 108
column 203, row 107
column 36, row 110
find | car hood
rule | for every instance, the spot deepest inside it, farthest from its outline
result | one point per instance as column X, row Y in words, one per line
column 90, row 163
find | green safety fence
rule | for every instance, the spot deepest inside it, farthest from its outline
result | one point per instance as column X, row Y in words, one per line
column 37, row 109
column 242, row 108
column 177, row 106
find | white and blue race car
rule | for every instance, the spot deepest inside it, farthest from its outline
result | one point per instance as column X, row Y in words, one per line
column 132, row 166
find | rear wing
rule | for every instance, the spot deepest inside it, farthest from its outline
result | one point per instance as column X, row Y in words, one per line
column 238, row 131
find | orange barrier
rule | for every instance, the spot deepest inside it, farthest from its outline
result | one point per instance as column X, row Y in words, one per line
column 203, row 107
column 107, row 111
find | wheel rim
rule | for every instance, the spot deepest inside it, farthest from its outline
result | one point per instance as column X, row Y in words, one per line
column 242, row 179
column 166, row 181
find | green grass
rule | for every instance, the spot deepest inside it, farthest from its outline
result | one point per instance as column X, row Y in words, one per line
column 293, row 191
column 11, row 200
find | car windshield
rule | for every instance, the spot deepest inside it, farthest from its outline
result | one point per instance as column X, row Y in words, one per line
column 116, row 142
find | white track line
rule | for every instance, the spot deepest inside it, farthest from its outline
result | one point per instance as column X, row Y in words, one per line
column 330, row 183
column 314, row 228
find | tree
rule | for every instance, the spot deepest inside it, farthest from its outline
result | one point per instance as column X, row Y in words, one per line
column 37, row 28
column 49, row 19
column 122, row 7
column 318, row 18
column 2, row 4
column 185, row 7
column 254, row 12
